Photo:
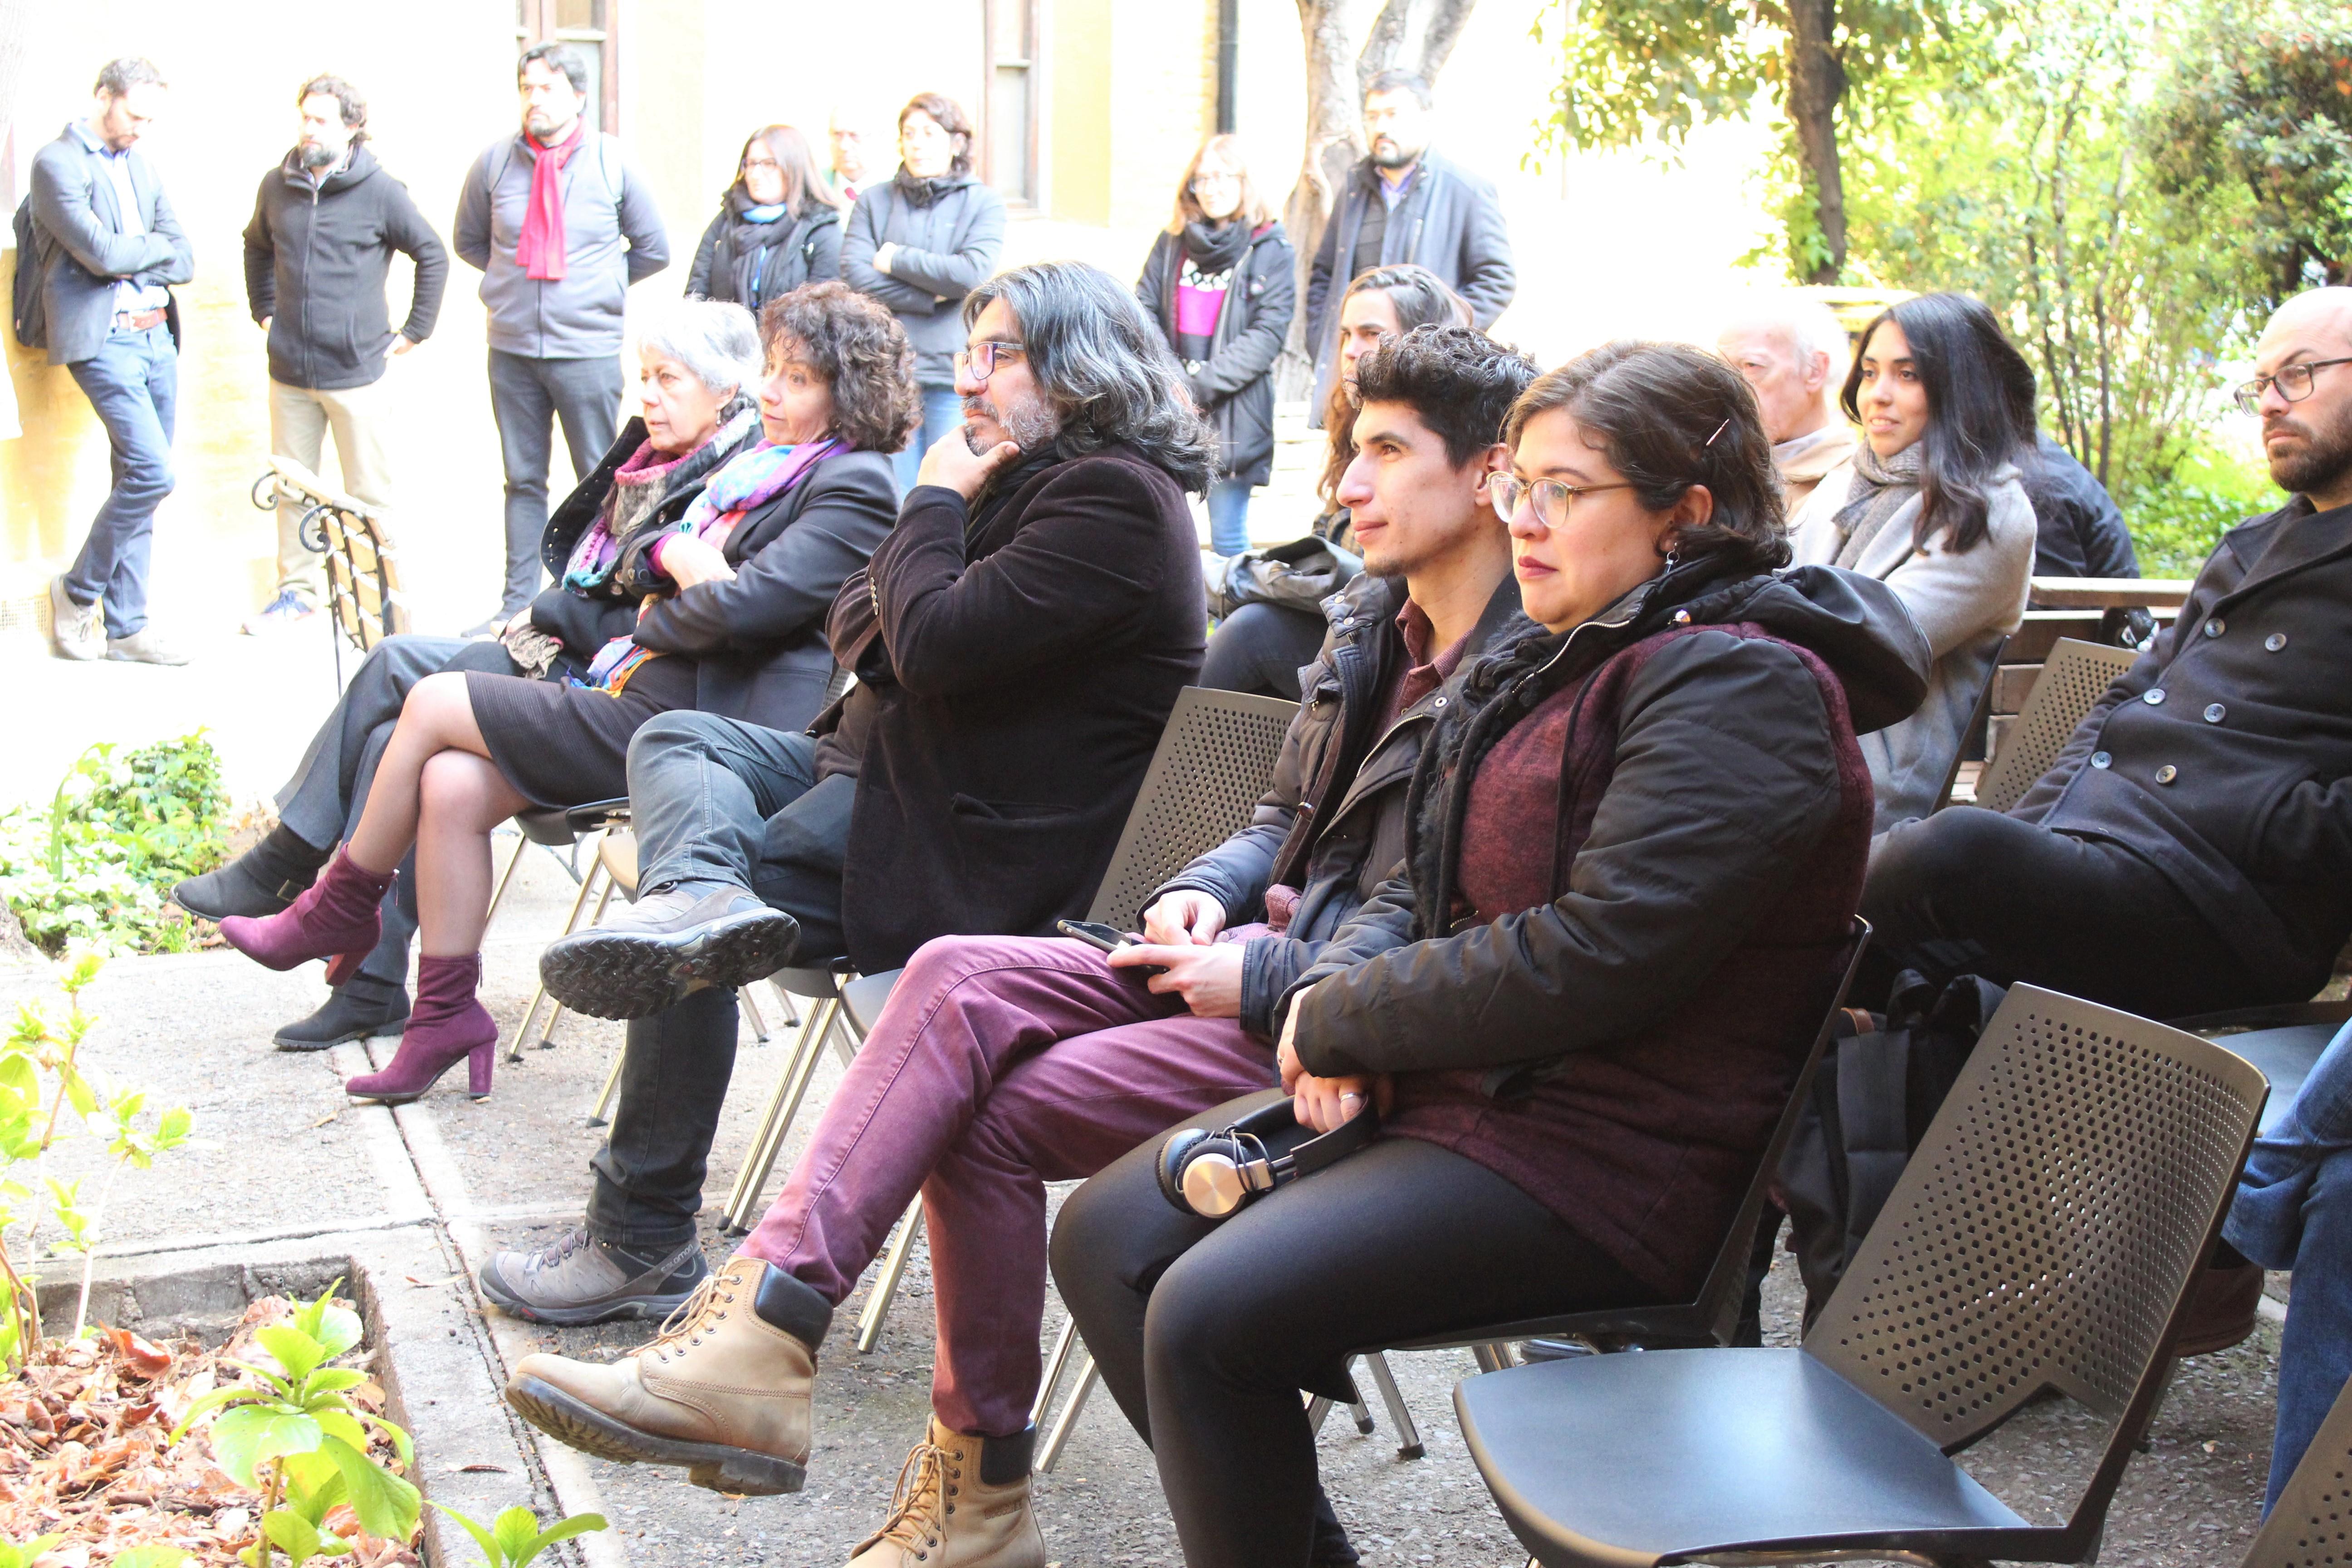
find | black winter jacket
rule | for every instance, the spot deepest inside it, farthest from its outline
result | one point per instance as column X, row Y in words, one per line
column 316, row 258
column 947, row 246
column 1234, row 385
column 1333, row 823
column 2078, row 528
column 1016, row 664
column 1715, row 794
column 787, row 253
column 2223, row 757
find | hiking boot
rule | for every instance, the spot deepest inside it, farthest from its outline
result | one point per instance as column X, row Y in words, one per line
column 581, row 1279
column 75, row 630
column 146, row 646
column 670, row 942
column 346, row 1016
column 961, row 1502
column 258, row 883
column 723, row 1390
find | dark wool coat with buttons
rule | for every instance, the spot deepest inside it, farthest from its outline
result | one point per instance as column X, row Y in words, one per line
column 2224, row 756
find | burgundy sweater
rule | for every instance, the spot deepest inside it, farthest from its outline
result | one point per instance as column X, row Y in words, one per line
column 1646, row 1148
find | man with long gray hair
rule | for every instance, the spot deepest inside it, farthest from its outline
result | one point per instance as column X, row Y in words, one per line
column 1018, row 641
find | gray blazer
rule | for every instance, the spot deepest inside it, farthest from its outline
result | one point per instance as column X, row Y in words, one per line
column 613, row 237
column 82, row 251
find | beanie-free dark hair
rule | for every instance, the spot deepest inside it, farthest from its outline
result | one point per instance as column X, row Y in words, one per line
column 1460, row 381
column 557, row 57
column 857, row 346
column 349, row 107
column 1668, row 416
column 119, row 76
column 1979, row 408
column 1420, row 297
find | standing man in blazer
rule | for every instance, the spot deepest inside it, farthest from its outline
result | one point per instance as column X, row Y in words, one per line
column 560, row 227
column 108, row 247
column 1405, row 203
column 325, row 224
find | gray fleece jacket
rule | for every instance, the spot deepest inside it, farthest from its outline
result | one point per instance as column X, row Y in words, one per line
column 613, row 237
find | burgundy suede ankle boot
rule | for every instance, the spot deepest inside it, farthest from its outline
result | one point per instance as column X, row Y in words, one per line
column 449, row 1026
column 335, row 918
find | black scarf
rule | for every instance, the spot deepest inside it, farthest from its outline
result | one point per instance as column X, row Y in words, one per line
column 1216, row 250
column 923, row 192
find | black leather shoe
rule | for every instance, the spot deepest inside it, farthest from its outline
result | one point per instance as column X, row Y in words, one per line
column 346, row 1016
column 667, row 944
column 261, row 881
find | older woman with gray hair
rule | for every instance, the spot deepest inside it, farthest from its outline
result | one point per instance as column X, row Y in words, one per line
column 666, row 596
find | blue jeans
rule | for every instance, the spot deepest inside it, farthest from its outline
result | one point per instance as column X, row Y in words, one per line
column 2294, row 1210
column 942, row 412
column 1229, row 516
column 134, row 385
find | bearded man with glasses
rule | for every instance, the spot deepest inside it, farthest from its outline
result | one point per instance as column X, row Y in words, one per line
column 2191, row 849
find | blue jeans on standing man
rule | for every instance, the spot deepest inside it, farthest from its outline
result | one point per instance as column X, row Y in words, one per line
column 942, row 412
column 2294, row 1210
column 134, row 385
column 1229, row 516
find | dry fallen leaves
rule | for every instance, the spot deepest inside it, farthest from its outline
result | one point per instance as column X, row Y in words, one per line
column 82, row 1450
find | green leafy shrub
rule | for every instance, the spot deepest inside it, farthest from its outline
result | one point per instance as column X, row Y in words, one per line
column 2176, row 521
column 95, row 866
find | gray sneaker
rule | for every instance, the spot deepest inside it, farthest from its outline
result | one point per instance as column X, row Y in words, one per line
column 667, row 944
column 146, row 646
column 580, row 1280
column 75, row 630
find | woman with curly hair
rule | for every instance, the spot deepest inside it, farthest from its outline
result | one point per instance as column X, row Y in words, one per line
column 732, row 591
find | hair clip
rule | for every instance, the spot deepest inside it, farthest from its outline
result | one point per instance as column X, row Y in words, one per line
column 1719, row 430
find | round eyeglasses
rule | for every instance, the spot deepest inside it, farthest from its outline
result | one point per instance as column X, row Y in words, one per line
column 1550, row 497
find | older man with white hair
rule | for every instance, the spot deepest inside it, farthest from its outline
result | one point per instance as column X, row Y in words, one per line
column 1792, row 349
column 2191, row 849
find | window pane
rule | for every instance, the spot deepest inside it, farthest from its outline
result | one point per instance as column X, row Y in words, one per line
column 1008, row 37
column 580, row 13
column 1008, row 132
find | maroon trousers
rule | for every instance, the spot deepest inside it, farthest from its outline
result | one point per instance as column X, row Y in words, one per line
column 1000, row 1064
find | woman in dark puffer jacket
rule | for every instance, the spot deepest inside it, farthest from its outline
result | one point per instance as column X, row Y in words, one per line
column 1639, row 840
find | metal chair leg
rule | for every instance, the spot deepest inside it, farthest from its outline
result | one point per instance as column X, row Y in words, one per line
column 751, row 1005
column 894, row 1268
column 570, row 924
column 782, row 1105
column 1409, row 1444
column 522, row 846
column 1055, row 1365
column 1049, row 1452
column 1494, row 1355
column 555, row 1013
column 601, row 1113
column 1319, row 1407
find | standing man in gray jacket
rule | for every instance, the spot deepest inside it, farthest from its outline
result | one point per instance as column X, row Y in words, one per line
column 108, row 248
column 560, row 227
column 1405, row 203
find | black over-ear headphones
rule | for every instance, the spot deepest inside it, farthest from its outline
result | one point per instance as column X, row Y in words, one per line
column 1211, row 1175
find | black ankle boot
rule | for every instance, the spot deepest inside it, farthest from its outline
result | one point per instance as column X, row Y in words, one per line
column 357, row 1012
column 258, row 883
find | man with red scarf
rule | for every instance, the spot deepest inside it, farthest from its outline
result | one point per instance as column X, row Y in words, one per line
column 559, row 227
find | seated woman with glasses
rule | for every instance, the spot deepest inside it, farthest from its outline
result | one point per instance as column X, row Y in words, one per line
column 1221, row 285
column 1579, row 1008
column 779, row 225
column 1931, row 504
column 1273, row 624
column 731, row 588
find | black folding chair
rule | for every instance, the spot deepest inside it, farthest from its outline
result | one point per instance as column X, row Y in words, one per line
column 2043, row 1237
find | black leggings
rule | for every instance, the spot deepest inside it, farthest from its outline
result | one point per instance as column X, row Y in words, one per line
column 1975, row 892
column 1206, row 1333
column 1261, row 648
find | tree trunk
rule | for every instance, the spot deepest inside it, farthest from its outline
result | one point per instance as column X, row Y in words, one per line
column 1419, row 34
column 1816, row 89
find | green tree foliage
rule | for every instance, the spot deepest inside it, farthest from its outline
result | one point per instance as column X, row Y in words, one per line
column 2254, row 122
column 1636, row 72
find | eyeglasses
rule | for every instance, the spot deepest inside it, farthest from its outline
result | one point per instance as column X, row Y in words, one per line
column 979, row 362
column 2293, row 384
column 1202, row 182
column 756, row 162
column 1550, row 497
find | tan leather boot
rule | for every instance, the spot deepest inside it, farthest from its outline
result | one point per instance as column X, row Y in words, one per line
column 721, row 1390
column 946, row 1515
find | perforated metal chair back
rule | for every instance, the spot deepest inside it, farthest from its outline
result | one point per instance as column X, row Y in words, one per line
column 2073, row 678
column 2046, row 1229
column 1975, row 726
column 2311, row 1527
column 1215, row 758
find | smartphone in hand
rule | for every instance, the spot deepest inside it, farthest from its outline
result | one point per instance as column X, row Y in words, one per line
column 1107, row 939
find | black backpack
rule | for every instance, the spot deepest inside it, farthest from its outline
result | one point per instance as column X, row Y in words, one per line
column 1873, row 1098
column 26, row 314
